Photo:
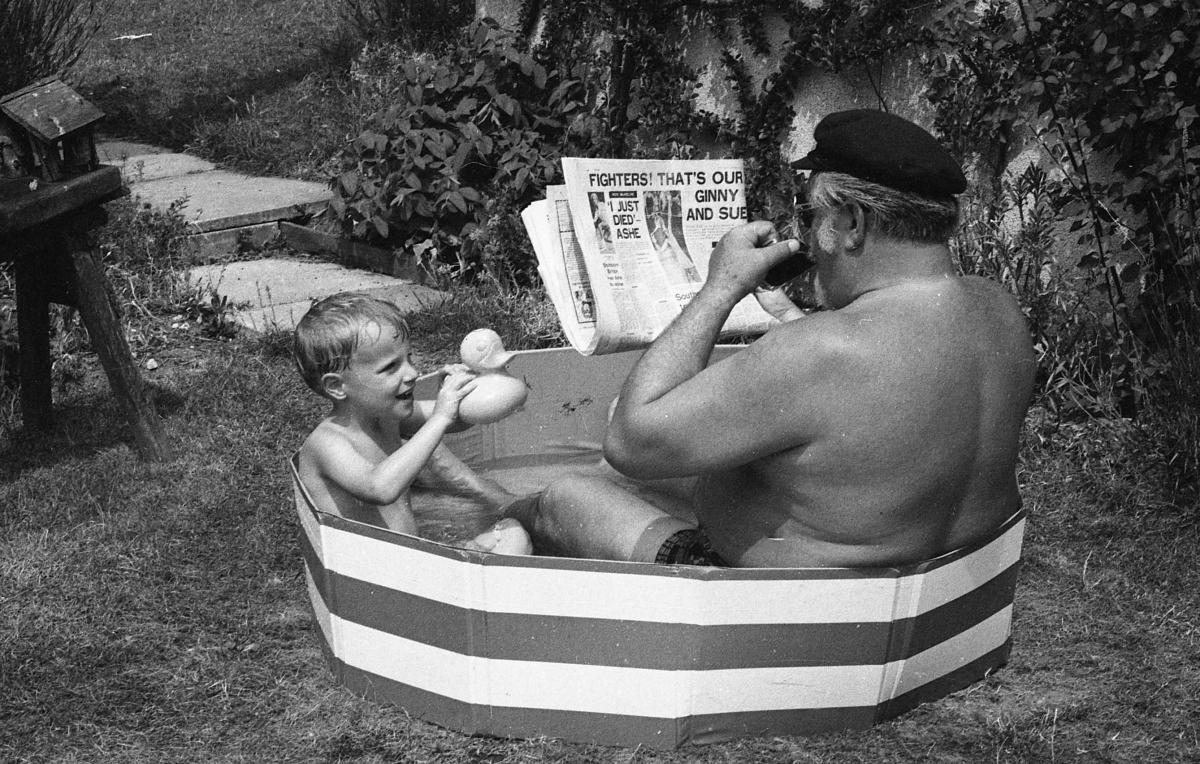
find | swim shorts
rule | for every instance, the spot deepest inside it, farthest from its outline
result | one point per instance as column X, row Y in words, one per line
column 689, row 546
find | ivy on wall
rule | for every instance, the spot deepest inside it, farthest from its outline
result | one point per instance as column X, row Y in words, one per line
column 1108, row 91
column 837, row 36
column 646, row 91
column 1109, row 76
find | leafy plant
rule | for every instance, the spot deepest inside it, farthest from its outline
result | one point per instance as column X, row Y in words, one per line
column 1012, row 239
column 830, row 36
column 634, row 52
column 42, row 37
column 1107, row 92
column 1113, row 88
column 483, row 122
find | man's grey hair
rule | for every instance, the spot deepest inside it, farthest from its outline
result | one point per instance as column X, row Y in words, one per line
column 901, row 215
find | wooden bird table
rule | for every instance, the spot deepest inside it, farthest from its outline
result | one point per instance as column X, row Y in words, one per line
column 45, row 234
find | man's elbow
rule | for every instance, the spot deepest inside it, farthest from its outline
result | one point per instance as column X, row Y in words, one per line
column 635, row 457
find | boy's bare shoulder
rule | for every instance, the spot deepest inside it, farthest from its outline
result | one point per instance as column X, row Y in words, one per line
column 328, row 438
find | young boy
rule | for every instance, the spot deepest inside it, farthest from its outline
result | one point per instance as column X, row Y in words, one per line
column 360, row 461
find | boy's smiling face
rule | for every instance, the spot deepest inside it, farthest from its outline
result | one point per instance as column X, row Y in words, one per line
column 380, row 376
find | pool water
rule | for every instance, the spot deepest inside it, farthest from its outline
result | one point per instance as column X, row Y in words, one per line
column 448, row 517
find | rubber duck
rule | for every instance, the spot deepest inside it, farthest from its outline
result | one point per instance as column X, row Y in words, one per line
column 497, row 393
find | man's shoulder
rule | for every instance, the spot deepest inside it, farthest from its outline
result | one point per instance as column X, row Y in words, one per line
column 824, row 342
column 824, row 331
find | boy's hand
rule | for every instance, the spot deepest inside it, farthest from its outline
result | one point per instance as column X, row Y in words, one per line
column 457, row 384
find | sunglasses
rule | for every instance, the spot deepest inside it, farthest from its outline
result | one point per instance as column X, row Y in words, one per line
column 802, row 218
column 805, row 213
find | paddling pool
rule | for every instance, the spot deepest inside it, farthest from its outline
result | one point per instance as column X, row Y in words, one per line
column 632, row 653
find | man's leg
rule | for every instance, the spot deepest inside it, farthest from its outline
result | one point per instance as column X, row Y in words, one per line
column 590, row 517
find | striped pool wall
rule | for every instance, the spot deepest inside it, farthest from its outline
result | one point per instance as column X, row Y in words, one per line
column 639, row 654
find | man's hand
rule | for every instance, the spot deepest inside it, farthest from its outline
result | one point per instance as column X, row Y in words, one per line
column 744, row 255
column 778, row 304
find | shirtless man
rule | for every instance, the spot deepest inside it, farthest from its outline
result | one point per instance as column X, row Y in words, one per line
column 881, row 431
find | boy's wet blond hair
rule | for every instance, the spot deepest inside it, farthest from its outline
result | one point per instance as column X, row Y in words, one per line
column 330, row 331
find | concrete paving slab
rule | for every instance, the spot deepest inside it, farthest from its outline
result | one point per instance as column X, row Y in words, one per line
column 218, row 199
column 114, row 151
column 276, row 292
column 270, row 293
column 273, row 318
column 143, row 167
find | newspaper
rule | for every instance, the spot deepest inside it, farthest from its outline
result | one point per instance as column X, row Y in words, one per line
column 624, row 245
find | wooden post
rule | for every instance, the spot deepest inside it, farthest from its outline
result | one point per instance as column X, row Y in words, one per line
column 33, row 334
column 87, row 283
column 45, row 233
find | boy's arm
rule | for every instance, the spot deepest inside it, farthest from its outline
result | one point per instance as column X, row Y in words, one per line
column 379, row 483
column 386, row 481
column 423, row 409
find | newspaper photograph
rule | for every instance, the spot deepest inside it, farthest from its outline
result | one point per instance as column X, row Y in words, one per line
column 624, row 245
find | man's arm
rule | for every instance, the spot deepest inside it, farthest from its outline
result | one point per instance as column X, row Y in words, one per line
column 654, row 410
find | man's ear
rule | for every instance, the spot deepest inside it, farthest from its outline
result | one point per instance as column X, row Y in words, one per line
column 854, row 226
column 333, row 387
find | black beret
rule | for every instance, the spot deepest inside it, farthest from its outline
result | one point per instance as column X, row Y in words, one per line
column 885, row 149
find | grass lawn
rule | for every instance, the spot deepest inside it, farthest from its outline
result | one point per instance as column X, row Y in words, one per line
column 157, row 612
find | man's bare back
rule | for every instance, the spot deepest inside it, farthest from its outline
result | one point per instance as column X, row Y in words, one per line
column 883, row 430
column 902, row 463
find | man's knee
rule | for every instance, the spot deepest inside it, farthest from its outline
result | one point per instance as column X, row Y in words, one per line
column 559, row 497
column 565, row 494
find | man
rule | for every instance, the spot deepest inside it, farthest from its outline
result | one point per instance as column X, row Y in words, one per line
column 880, row 431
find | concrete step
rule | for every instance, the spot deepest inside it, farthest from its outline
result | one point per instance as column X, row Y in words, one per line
column 272, row 294
column 227, row 209
column 214, row 199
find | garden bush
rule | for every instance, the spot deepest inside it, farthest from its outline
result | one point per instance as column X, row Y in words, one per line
column 1107, row 93
column 467, row 140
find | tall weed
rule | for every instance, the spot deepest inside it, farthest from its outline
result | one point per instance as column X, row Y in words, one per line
column 145, row 253
column 1169, row 383
column 1088, row 369
column 1014, row 238
column 524, row 317
column 39, row 38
